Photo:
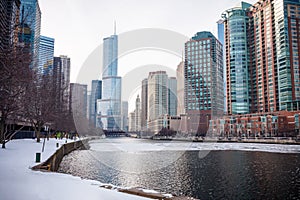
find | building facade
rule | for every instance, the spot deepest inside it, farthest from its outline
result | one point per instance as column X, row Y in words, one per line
column 262, row 56
column 46, row 54
column 172, row 96
column 96, row 93
column 78, row 99
column 144, row 104
column 30, row 28
column 124, row 116
column 9, row 23
column 61, row 80
column 157, row 100
column 180, row 88
column 109, row 107
column 203, row 73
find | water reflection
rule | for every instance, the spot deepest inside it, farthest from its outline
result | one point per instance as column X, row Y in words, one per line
column 219, row 175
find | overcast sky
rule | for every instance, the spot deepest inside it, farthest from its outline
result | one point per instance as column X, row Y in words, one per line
column 79, row 26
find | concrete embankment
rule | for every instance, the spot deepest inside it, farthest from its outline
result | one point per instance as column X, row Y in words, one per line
column 52, row 163
column 288, row 141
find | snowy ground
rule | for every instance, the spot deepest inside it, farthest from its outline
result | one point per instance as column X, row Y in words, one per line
column 18, row 181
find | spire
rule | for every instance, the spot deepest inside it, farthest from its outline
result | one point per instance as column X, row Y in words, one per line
column 115, row 28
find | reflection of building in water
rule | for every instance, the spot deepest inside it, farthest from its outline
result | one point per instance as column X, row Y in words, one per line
column 109, row 107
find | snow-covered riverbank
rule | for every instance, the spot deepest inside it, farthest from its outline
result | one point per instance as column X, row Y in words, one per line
column 18, row 181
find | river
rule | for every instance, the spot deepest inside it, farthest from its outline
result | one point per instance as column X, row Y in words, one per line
column 200, row 170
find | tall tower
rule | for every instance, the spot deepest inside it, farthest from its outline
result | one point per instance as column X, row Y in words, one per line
column 138, row 113
column 109, row 107
column 172, row 96
column 203, row 73
column 30, row 21
column 262, row 54
column 157, row 99
column 96, row 93
column 237, row 60
column 9, row 21
column 61, row 76
column 144, row 109
column 180, row 88
column 46, row 54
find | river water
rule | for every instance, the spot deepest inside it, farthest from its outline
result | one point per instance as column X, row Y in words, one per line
column 200, row 170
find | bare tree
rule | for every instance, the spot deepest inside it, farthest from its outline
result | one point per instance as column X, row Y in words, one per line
column 14, row 78
column 40, row 104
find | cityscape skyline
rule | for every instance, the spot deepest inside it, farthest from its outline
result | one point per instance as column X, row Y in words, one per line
column 92, row 31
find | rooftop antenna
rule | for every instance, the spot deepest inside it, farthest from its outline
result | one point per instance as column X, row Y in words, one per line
column 115, row 28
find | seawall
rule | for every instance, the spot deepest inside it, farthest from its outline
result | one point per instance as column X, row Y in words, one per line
column 52, row 163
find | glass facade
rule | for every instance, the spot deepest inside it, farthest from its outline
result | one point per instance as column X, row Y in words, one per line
column 96, row 93
column 30, row 20
column 262, row 45
column 109, row 107
column 203, row 72
column 172, row 96
column 46, row 53
column 238, row 97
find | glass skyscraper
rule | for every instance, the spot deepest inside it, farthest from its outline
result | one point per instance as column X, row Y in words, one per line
column 262, row 56
column 109, row 107
column 237, row 65
column 46, row 53
column 30, row 20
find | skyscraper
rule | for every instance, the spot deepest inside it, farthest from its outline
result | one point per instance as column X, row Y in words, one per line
column 138, row 113
column 237, row 60
column 221, row 38
column 203, row 73
column 61, row 79
column 78, row 99
column 157, row 99
column 144, row 106
column 124, row 116
column 109, row 107
column 262, row 43
column 46, row 53
column 96, row 93
column 172, row 96
column 9, row 22
column 30, row 22
column 180, row 88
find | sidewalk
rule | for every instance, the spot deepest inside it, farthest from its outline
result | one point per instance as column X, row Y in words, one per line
column 18, row 181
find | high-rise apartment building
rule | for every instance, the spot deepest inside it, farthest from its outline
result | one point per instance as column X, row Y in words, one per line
column 9, row 23
column 203, row 73
column 262, row 56
column 109, row 107
column 237, row 60
column 96, row 93
column 172, row 96
column 30, row 28
column 46, row 53
column 221, row 38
